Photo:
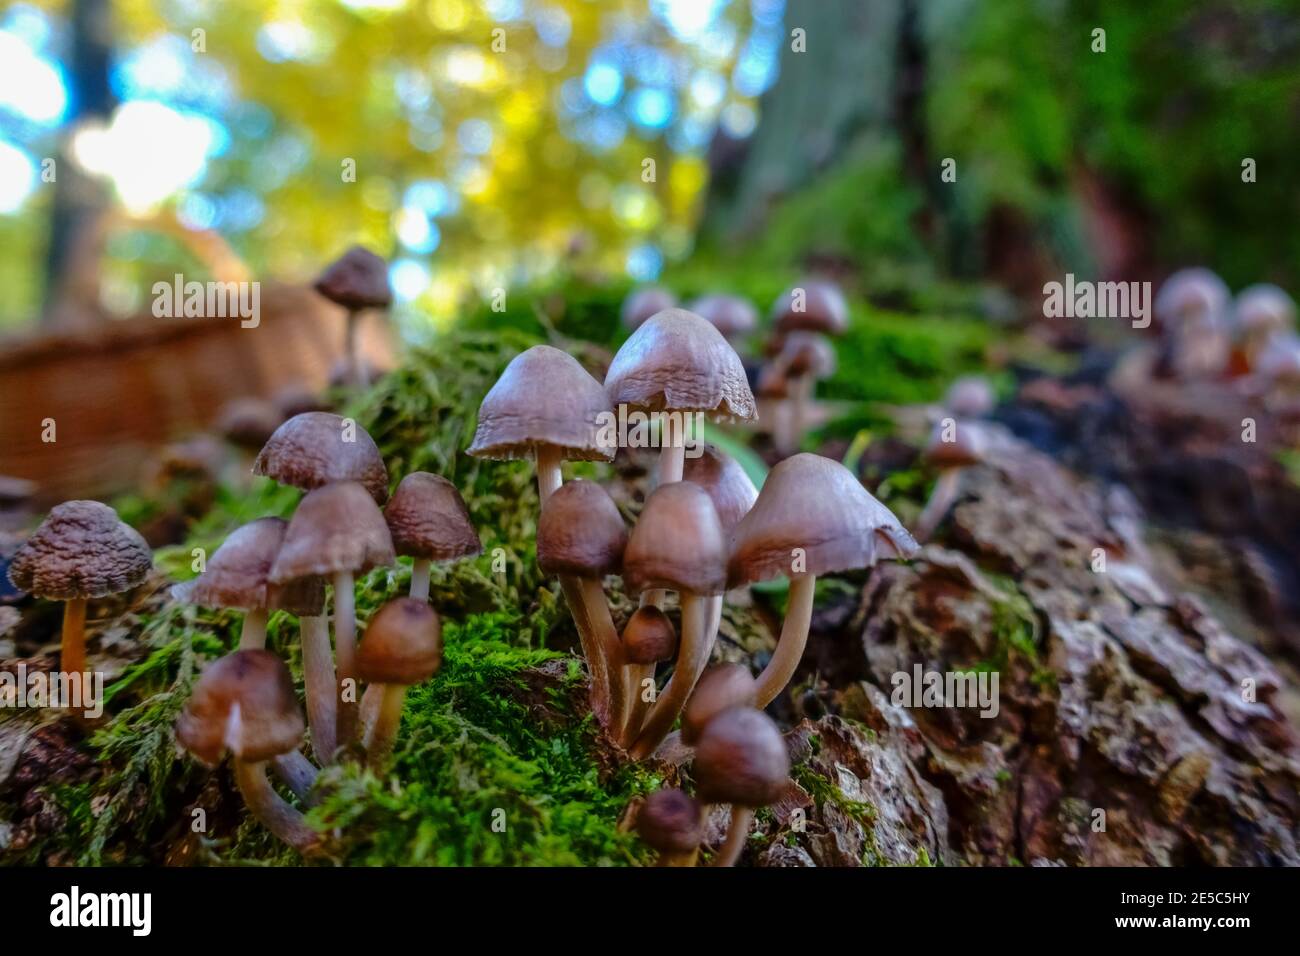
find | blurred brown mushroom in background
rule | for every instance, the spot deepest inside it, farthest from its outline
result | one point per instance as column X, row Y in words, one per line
column 357, row 280
column 642, row 303
column 672, row 823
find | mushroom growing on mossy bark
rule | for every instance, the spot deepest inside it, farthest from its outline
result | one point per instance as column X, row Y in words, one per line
column 244, row 703
column 429, row 522
column 357, row 280
column 678, row 544
column 82, row 550
column 402, row 647
column 740, row 759
column 337, row 533
column 580, row 539
column 812, row 517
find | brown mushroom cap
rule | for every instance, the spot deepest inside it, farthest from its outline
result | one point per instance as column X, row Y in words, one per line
column 740, row 758
column 649, row 636
column 428, row 519
column 643, row 303
column 580, row 532
column 243, row 703
column 968, row 445
column 815, row 504
column 309, row 450
column 677, row 543
column 670, row 821
column 358, row 279
column 81, row 550
column 544, row 397
column 824, row 309
column 725, row 482
column 729, row 314
column 676, row 361
column 336, row 528
column 773, row 381
column 720, row 688
column 236, row 575
column 402, row 644
column 807, row 353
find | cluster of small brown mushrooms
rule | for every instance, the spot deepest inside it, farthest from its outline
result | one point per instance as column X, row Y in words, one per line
column 702, row 531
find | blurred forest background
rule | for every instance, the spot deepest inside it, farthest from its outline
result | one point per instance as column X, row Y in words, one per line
column 196, row 135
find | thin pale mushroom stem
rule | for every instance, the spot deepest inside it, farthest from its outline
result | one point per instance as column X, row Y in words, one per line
column 692, row 658
column 549, row 475
column 388, row 719
column 274, row 813
column 634, row 710
column 611, row 648
column 945, row 493
column 322, row 686
column 356, row 370
column 420, row 578
column 737, row 833
column 297, row 773
column 72, row 650
column 345, row 649
column 794, row 638
column 252, row 636
column 592, row 648
column 672, row 454
column 370, row 701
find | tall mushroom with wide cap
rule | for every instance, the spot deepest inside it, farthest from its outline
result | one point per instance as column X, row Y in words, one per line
column 237, row 576
column 429, row 522
column 319, row 448
column 402, row 647
column 740, row 759
column 672, row 823
column 812, row 518
column 357, row 280
column 581, row 538
column 678, row 544
column 244, row 703
column 545, row 407
column 811, row 305
column 337, row 532
column 679, row 364
column 82, row 550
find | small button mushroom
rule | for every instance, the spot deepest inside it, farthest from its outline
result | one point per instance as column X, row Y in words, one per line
column 676, row 362
column 320, row 448
column 721, row 687
column 740, row 759
column 811, row 305
column 678, row 543
column 951, row 449
column 429, row 522
column 357, row 280
column 244, row 703
column 642, row 303
column 649, row 638
column 82, row 550
column 337, row 532
column 238, row 577
column 402, row 647
column 672, row 823
column 812, row 517
column 580, row 539
column 731, row 315
column 547, row 407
